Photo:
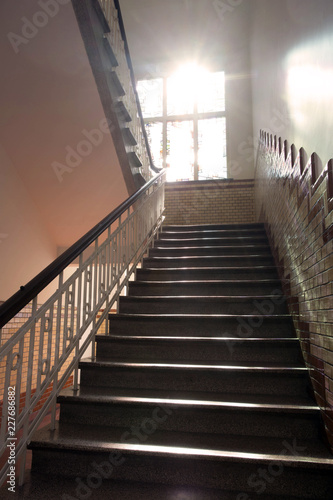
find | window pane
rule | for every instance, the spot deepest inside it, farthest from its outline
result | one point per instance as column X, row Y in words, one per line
column 180, row 152
column 211, row 95
column 155, row 137
column 151, row 97
column 212, row 155
column 180, row 95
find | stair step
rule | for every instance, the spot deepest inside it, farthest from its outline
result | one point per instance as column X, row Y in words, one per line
column 208, row 261
column 207, row 227
column 229, row 377
column 237, row 416
column 39, row 487
column 207, row 287
column 238, row 326
column 176, row 458
column 206, row 251
column 268, row 304
column 211, row 233
column 223, row 241
column 206, row 273
column 185, row 349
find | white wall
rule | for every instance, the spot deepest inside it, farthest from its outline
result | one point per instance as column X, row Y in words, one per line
column 165, row 33
column 49, row 103
column 292, row 62
column 25, row 246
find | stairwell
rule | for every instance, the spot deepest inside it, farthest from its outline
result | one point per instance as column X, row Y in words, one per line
column 199, row 391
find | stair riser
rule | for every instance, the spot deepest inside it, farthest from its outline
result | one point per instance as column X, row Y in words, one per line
column 193, row 351
column 193, row 252
column 195, row 380
column 210, row 289
column 218, row 327
column 181, row 419
column 191, row 242
column 204, row 274
column 303, row 483
column 131, row 305
column 222, row 261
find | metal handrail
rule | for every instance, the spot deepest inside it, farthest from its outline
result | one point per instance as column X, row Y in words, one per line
column 27, row 292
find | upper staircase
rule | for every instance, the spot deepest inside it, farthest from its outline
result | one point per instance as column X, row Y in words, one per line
column 198, row 392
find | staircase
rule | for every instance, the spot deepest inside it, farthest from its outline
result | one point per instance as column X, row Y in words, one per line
column 200, row 391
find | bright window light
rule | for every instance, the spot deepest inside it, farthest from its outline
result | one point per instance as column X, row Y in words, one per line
column 186, row 124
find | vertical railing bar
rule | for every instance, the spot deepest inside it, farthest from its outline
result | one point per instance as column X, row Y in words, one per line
column 57, row 348
column 65, row 322
column 40, row 353
column 25, row 425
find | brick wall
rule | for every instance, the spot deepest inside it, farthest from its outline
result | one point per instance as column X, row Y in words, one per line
column 209, row 202
column 295, row 200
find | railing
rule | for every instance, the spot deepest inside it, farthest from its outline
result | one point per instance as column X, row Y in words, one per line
column 125, row 73
column 38, row 359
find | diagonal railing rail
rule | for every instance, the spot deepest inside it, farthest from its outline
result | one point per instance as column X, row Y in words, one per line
column 37, row 360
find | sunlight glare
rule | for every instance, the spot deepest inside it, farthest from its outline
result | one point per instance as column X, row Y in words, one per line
column 184, row 87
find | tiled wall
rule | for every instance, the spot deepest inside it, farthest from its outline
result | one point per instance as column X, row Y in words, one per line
column 208, row 202
column 295, row 200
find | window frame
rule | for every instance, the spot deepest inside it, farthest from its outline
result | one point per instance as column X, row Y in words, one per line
column 196, row 116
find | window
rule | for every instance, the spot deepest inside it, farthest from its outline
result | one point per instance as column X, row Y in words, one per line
column 186, row 125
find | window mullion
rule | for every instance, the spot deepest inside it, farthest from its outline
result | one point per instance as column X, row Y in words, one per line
column 196, row 140
column 165, row 122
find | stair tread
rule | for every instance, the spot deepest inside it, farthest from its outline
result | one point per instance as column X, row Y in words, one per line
column 39, row 487
column 173, row 338
column 244, row 402
column 200, row 316
column 226, row 366
column 200, row 257
column 203, row 298
column 214, row 247
column 209, row 281
column 307, row 453
column 213, row 268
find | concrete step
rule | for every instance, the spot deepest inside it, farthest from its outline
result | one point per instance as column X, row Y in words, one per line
column 207, row 287
column 238, row 326
column 223, row 241
column 272, row 304
column 195, row 413
column 209, row 261
column 206, row 273
column 194, row 349
column 207, row 227
column 206, row 251
column 39, row 487
column 232, row 463
column 227, row 377
column 188, row 233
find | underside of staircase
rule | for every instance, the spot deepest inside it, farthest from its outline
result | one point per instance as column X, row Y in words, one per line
column 200, row 390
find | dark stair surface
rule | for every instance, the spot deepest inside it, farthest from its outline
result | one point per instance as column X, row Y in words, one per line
column 199, row 392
